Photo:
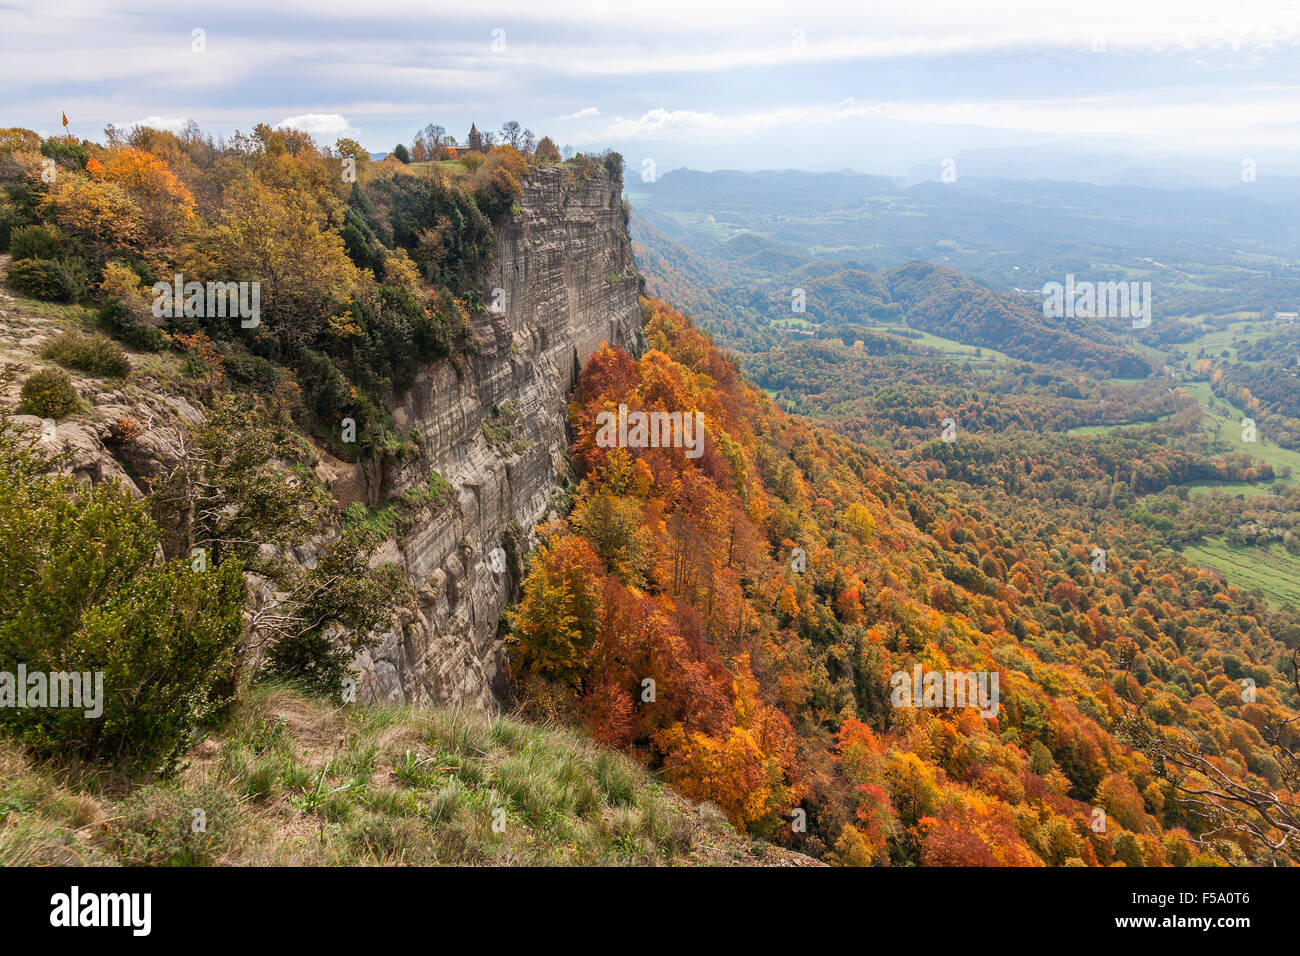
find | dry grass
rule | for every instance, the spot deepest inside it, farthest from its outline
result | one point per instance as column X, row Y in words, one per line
column 295, row 781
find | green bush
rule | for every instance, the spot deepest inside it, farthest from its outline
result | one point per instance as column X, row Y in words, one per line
column 38, row 278
column 80, row 592
column 67, row 151
column 253, row 371
column 48, row 394
column 11, row 217
column 96, row 354
column 49, row 279
column 116, row 319
column 344, row 594
column 613, row 163
column 34, row 242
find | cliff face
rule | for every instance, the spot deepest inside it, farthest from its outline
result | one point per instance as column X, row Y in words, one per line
column 563, row 282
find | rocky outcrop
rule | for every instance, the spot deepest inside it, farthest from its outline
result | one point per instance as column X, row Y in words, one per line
column 492, row 423
column 490, row 419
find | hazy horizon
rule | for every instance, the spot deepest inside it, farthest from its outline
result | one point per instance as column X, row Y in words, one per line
column 1168, row 90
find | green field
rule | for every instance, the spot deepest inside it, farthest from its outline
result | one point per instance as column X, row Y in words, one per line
column 1272, row 569
column 948, row 346
column 1226, row 430
column 1101, row 429
column 1249, row 488
column 951, row 347
column 1247, row 327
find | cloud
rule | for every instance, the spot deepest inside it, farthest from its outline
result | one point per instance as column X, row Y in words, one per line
column 1268, row 113
column 656, row 122
column 327, row 125
column 172, row 124
column 715, row 71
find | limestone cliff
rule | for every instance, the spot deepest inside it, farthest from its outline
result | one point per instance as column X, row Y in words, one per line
column 563, row 282
column 491, row 419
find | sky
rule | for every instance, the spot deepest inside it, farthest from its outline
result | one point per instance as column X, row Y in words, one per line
column 1190, row 88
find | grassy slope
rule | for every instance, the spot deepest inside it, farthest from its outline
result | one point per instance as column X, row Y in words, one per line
column 294, row 780
column 1271, row 569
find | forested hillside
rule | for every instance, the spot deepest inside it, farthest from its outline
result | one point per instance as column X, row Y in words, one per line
column 939, row 300
column 198, row 507
column 768, row 591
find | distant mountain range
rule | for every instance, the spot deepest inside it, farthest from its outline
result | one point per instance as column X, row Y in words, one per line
column 1204, row 251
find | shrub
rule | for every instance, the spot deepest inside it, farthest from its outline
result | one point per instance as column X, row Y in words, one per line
column 120, row 282
column 252, row 371
column 34, row 242
column 81, row 593
column 547, row 151
column 11, row 217
column 67, row 151
column 498, row 183
column 96, row 354
column 38, row 278
column 15, row 137
column 116, row 318
column 613, row 163
column 125, row 430
column 346, row 601
column 472, row 161
column 59, row 280
column 48, row 394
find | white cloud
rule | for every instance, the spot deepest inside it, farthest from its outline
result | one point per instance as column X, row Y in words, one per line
column 722, row 69
column 1250, row 114
column 659, row 121
column 172, row 124
column 326, row 125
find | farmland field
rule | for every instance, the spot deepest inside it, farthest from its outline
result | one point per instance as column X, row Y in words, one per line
column 1271, row 570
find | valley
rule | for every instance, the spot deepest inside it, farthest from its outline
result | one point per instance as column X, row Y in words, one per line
column 393, row 499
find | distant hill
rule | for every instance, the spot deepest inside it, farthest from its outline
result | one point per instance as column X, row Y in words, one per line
column 766, row 188
column 752, row 292
column 1204, row 250
column 941, row 301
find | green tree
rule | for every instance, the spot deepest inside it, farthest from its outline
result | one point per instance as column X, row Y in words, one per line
column 80, row 591
column 232, row 488
column 559, row 615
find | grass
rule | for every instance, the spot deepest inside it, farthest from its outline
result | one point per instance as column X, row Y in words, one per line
column 500, row 429
column 388, row 518
column 1225, row 431
column 1270, row 569
column 67, row 316
column 295, row 780
column 1226, row 339
column 953, row 348
column 1103, row 429
column 1253, row 489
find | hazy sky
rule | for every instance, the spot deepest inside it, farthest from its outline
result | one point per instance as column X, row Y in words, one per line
column 877, row 87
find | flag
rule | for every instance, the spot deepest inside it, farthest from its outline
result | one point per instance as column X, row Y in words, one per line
column 65, row 120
